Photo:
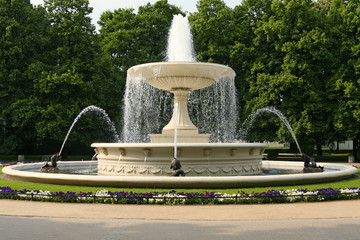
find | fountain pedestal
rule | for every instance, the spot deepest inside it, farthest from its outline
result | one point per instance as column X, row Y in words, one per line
column 180, row 78
column 187, row 132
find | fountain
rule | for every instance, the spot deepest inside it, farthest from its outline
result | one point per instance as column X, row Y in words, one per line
column 198, row 156
column 180, row 76
column 152, row 164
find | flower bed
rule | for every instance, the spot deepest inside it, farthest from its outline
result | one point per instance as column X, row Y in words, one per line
column 173, row 197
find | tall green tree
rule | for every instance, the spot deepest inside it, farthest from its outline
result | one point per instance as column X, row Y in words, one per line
column 212, row 29
column 59, row 70
column 77, row 75
column 290, row 67
column 131, row 38
column 23, row 31
column 248, row 18
column 345, row 21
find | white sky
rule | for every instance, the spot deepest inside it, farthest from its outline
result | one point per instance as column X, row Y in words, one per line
column 99, row 6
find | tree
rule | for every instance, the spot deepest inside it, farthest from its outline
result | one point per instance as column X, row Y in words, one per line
column 243, row 54
column 212, row 29
column 131, row 39
column 345, row 21
column 77, row 75
column 290, row 66
column 22, row 36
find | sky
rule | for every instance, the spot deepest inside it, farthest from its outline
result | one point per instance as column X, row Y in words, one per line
column 99, row 6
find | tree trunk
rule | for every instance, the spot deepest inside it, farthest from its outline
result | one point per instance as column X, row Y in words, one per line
column 355, row 148
column 318, row 150
column 293, row 147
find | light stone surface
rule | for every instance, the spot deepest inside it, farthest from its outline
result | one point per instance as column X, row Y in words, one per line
column 170, row 75
column 197, row 159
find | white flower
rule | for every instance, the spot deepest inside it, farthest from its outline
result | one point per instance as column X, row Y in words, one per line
column 102, row 193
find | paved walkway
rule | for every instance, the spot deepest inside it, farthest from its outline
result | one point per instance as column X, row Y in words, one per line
column 44, row 220
column 317, row 210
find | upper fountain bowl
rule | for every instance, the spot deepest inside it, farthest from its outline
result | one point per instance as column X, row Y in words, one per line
column 177, row 75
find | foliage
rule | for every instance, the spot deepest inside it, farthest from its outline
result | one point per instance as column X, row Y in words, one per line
column 345, row 20
column 131, row 38
column 22, row 39
column 173, row 197
column 290, row 68
column 58, row 69
column 300, row 56
column 212, row 28
column 78, row 72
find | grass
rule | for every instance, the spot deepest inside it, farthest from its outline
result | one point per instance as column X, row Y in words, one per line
column 353, row 182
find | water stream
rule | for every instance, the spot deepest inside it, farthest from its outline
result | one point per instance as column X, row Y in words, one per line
column 180, row 44
column 96, row 109
column 250, row 120
column 175, row 129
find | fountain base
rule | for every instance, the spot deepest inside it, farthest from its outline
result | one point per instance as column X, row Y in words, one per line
column 30, row 173
column 197, row 159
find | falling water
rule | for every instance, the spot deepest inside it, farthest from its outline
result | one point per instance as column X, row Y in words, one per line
column 92, row 108
column 214, row 110
column 147, row 109
column 250, row 120
column 175, row 130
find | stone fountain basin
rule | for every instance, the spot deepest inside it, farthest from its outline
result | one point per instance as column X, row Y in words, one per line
column 197, row 159
column 30, row 173
column 183, row 75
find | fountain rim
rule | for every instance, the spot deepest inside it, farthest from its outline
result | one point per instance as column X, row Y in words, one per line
column 180, row 75
column 343, row 172
column 171, row 145
column 229, row 71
